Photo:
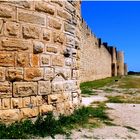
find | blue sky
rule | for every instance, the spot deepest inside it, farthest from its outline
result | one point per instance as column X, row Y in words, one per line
column 118, row 23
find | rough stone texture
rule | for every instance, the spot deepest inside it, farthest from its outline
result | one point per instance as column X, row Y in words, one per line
column 120, row 63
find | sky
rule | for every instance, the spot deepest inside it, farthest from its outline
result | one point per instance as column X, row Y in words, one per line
column 118, row 23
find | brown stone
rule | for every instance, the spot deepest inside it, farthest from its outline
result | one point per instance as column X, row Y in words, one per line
column 6, row 104
column 22, row 60
column 60, row 3
column 57, row 60
column 33, row 18
column 12, row 29
column 12, row 44
column 58, row 38
column 36, row 100
column 45, row 109
column 16, row 103
column 45, row 60
column 38, row 47
column 44, row 7
column 69, row 28
column 75, row 74
column 54, row 24
column 1, row 25
column 34, row 60
column 7, row 59
column 31, row 32
column 5, row 89
column 33, row 74
column 44, row 87
column 26, row 102
column 46, row 35
column 51, row 49
column 58, row 87
column 29, row 112
column 2, row 74
column 21, row 89
column 9, row 116
column 55, row 98
column 14, row 74
column 64, row 15
column 49, row 73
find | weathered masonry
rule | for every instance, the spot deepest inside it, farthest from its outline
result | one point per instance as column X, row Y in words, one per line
column 39, row 58
column 46, row 50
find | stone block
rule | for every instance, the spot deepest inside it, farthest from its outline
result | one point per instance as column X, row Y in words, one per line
column 6, row 103
column 54, row 24
column 70, row 85
column 1, row 26
column 30, row 31
column 45, row 109
column 29, row 112
column 75, row 74
column 31, row 17
column 22, row 89
column 55, row 98
column 13, row 44
column 60, row 3
column 68, row 62
column 75, row 98
column 33, row 74
column 64, row 15
column 7, row 59
column 58, row 38
column 12, row 29
column 7, row 11
column 51, row 49
column 44, row 7
column 26, row 102
column 49, row 73
column 38, row 47
column 44, row 87
column 2, row 74
column 34, row 60
column 45, row 60
column 16, row 103
column 5, row 89
column 69, row 28
column 58, row 87
column 36, row 100
column 22, row 60
column 14, row 74
column 57, row 60
column 9, row 116
column 46, row 35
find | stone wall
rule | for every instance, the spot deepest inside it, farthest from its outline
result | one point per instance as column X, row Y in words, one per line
column 95, row 57
column 39, row 58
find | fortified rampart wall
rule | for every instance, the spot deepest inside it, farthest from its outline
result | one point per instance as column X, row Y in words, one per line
column 39, row 61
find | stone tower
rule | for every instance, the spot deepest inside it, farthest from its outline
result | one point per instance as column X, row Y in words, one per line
column 120, row 63
column 125, row 69
column 39, row 58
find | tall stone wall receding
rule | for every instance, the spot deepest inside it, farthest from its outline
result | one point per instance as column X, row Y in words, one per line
column 95, row 57
column 39, row 58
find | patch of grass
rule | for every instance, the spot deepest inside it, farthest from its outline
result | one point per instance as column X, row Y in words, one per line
column 49, row 126
column 86, row 87
column 114, row 99
column 87, row 92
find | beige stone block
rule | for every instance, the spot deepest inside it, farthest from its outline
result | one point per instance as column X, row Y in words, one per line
column 46, row 35
column 13, row 44
column 7, row 59
column 51, row 49
column 31, row 17
column 49, row 73
column 70, row 85
column 29, row 112
column 75, row 74
column 58, row 38
column 34, row 60
column 38, row 47
column 44, row 87
column 68, row 62
column 14, row 74
column 64, row 14
column 6, row 103
column 57, row 60
column 16, row 103
column 60, row 108
column 22, row 60
column 36, row 100
column 58, row 87
column 26, row 102
column 55, row 98
column 1, row 26
column 45, row 109
column 69, row 28
column 5, row 89
column 44, row 7
column 60, row 3
column 45, row 60
column 12, row 29
column 21, row 89
column 9, row 116
column 54, row 24
column 30, row 31
column 2, row 74
column 7, row 11
column 33, row 74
